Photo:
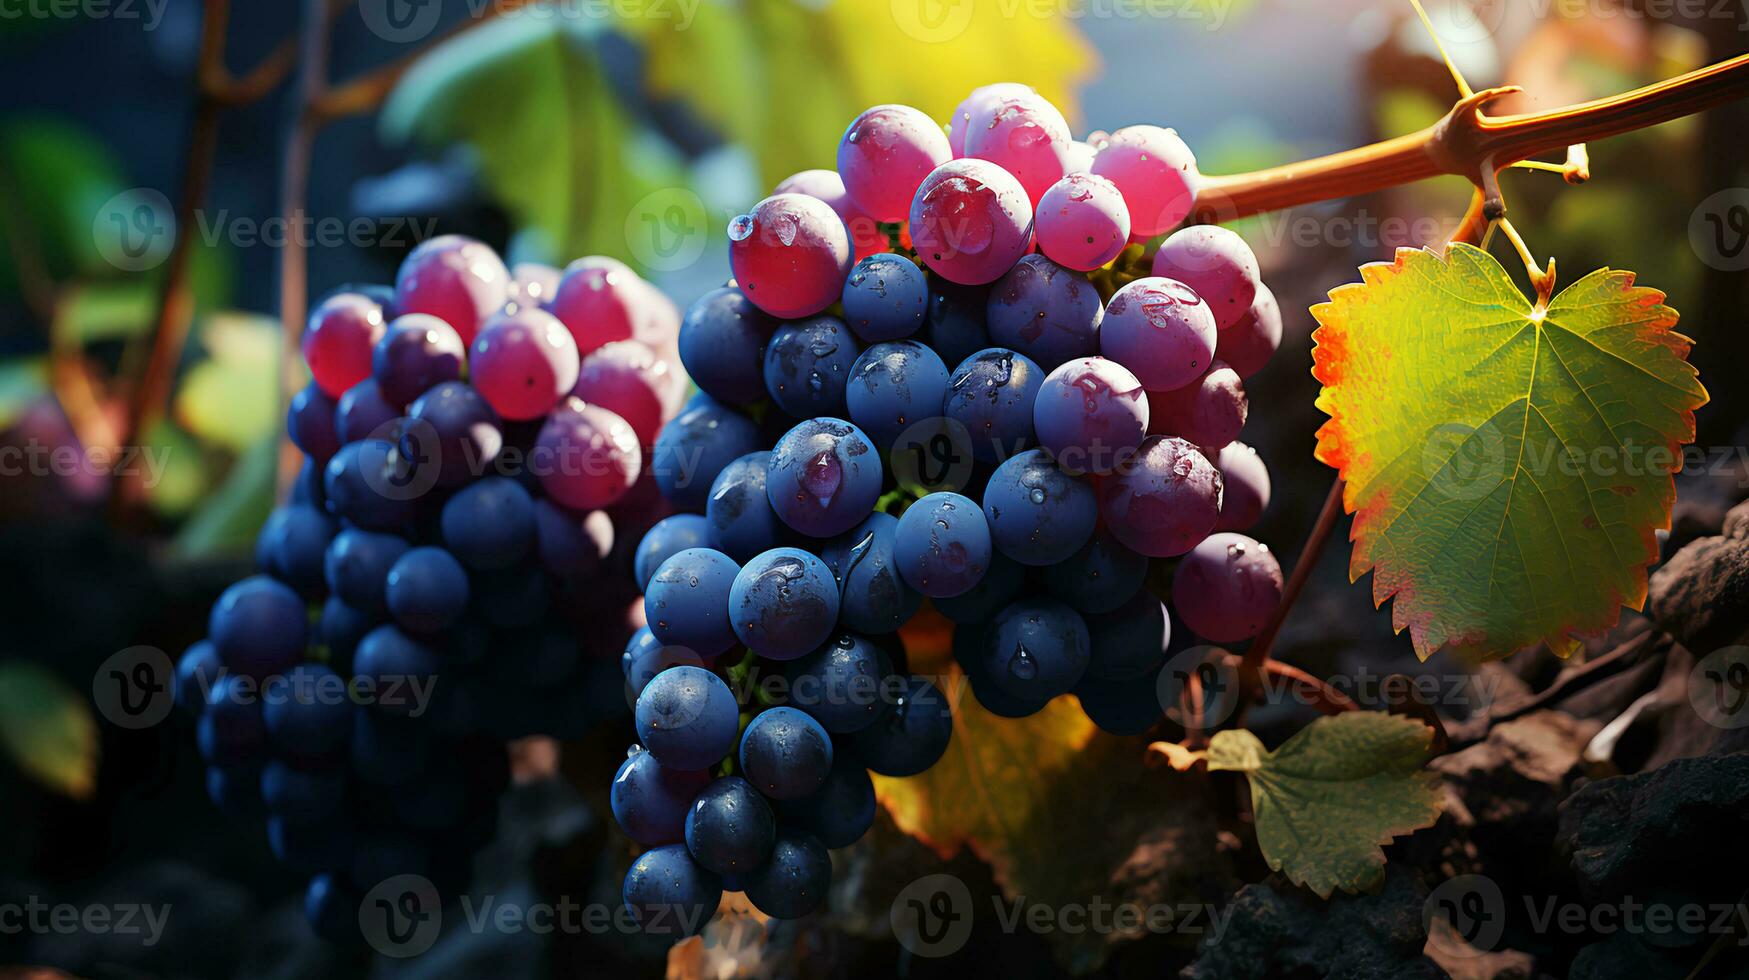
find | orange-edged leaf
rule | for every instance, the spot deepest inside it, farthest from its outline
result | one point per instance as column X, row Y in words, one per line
column 47, row 729
column 1328, row 797
column 1507, row 466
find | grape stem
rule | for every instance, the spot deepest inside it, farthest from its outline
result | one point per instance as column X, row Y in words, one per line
column 1471, row 144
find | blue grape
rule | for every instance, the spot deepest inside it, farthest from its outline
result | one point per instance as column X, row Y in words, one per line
column 824, row 478
column 841, row 811
column 739, row 515
column 722, row 345
column 1036, row 649
column 340, row 628
column 785, row 753
column 807, row 365
column 1038, row 514
column 841, row 684
column 388, row 750
column 667, row 538
column 307, row 489
column 912, row 736
column 571, row 548
column 489, row 525
column 310, row 422
column 370, row 484
column 363, row 413
column 968, row 650
column 309, row 715
column 1129, row 641
column 259, row 627
column 451, row 429
column 231, row 731
column 885, row 298
column 1121, row 707
column 399, row 666
column 1091, row 414
column 668, row 894
column 784, row 603
column 1099, row 577
column 730, row 828
column 1000, row 585
column 197, row 671
column 873, row 596
column 292, row 545
column 692, row 449
column 331, row 907
column 650, row 801
column 893, row 386
column 957, row 320
column 646, row 656
column 1047, row 312
column 943, row 545
column 427, row 590
column 302, row 795
column 416, row 353
column 794, row 882
column 687, row 601
column 687, row 717
column 357, row 567
column 235, row 790
column 991, row 393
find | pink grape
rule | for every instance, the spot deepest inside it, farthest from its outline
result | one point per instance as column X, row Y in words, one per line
column 866, row 236
column 339, row 340
column 522, row 363
column 971, row 221
column 458, row 280
column 1209, row 411
column 1164, row 500
column 1227, row 588
column 597, row 301
column 627, row 379
column 1216, row 263
column 885, row 153
column 1026, row 136
column 588, row 457
column 416, row 352
column 1082, row 222
column 1244, row 487
column 533, row 285
column 1247, row 345
column 1091, row 414
column 790, row 255
column 1160, row 329
column 974, row 104
column 1156, row 173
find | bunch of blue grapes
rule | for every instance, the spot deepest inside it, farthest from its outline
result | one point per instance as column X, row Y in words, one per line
column 964, row 370
column 451, row 571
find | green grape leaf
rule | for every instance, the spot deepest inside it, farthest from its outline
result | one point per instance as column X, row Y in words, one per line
column 529, row 96
column 1507, row 465
column 231, row 398
column 47, row 729
column 1327, row 799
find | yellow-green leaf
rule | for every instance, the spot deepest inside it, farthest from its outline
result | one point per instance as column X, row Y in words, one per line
column 231, row 398
column 47, row 729
column 1507, row 465
column 1327, row 799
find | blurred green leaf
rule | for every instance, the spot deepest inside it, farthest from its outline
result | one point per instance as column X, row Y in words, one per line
column 230, row 517
column 1400, row 111
column 231, row 398
column 22, row 381
column 107, row 310
column 179, row 478
column 529, row 95
column 47, row 729
column 57, row 178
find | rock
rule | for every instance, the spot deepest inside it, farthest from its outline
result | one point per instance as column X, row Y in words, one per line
column 1736, row 524
column 1701, row 595
column 1514, row 780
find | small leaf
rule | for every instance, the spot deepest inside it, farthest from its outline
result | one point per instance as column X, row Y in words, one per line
column 1507, row 466
column 228, row 520
column 1330, row 796
column 47, row 729
column 1177, row 756
column 231, row 398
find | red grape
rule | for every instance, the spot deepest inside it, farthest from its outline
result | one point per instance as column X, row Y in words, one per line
column 790, row 255
column 597, row 300
column 522, row 363
column 586, row 456
column 627, row 379
column 1209, row 411
column 1226, row 589
column 1247, row 344
column 866, row 236
column 971, row 221
column 1164, row 500
column 981, row 98
column 458, row 280
column 885, row 153
column 1026, row 136
column 1244, row 487
column 1082, row 222
column 1217, row 264
column 341, row 334
column 1156, row 173
column 1160, row 329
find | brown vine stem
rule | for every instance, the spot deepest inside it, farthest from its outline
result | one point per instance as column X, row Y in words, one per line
column 1256, row 661
column 1468, row 143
